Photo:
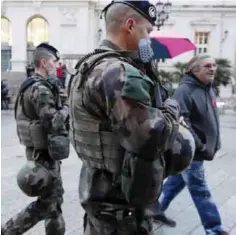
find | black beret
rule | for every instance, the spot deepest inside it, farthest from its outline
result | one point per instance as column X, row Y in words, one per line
column 50, row 48
column 145, row 8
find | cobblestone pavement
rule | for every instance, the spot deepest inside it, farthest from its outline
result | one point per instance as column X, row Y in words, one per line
column 221, row 178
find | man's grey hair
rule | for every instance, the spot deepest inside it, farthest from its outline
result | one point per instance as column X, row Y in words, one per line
column 117, row 14
column 194, row 64
column 39, row 54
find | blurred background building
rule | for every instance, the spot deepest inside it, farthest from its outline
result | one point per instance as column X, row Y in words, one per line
column 75, row 28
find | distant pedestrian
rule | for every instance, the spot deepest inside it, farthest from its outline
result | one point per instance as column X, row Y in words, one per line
column 60, row 75
column 30, row 70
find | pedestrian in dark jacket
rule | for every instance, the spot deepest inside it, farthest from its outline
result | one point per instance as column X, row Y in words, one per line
column 30, row 70
column 198, row 106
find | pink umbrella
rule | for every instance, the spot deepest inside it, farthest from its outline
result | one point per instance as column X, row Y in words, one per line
column 167, row 44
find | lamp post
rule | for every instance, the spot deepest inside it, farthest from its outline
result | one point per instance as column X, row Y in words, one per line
column 223, row 38
column 99, row 35
column 163, row 12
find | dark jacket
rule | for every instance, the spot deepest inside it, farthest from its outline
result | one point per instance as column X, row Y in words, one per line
column 198, row 106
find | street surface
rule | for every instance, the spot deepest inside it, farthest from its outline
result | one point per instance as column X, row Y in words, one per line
column 221, row 174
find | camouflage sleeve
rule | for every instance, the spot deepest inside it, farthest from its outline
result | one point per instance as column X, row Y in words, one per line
column 126, row 92
column 45, row 106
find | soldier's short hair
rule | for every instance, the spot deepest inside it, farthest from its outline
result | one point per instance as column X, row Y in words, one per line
column 193, row 64
column 39, row 54
column 119, row 13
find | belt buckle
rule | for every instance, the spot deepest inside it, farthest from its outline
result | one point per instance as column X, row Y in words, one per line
column 128, row 215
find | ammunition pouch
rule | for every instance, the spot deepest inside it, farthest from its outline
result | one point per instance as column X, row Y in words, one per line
column 141, row 179
column 32, row 134
column 58, row 146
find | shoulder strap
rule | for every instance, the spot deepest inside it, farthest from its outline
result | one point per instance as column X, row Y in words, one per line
column 30, row 81
column 90, row 63
column 78, row 64
column 87, row 63
column 27, row 83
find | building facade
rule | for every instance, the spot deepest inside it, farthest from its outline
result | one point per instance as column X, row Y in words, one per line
column 75, row 28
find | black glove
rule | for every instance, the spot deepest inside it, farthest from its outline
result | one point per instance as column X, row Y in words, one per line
column 67, row 123
column 173, row 108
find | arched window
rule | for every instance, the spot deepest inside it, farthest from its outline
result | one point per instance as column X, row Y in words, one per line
column 37, row 32
column 6, row 42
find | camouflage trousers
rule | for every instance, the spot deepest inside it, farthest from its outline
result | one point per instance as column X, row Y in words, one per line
column 47, row 208
column 111, row 226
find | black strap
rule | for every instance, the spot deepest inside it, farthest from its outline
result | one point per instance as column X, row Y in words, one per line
column 27, row 83
column 80, row 61
column 87, row 67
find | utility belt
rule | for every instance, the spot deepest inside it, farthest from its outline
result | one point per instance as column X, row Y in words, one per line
column 131, row 220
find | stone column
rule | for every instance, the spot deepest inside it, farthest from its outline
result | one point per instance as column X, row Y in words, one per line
column 18, row 43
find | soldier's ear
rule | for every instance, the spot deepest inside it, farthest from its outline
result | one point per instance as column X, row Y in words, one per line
column 43, row 62
column 130, row 24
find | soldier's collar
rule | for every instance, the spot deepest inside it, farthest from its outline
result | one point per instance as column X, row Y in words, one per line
column 109, row 45
column 39, row 76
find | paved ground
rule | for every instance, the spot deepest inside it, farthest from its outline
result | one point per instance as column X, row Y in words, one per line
column 220, row 172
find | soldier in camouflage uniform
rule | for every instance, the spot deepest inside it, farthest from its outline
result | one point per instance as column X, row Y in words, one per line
column 116, row 129
column 40, row 116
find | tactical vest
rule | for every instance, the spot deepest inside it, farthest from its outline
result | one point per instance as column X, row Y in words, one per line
column 30, row 130
column 91, row 136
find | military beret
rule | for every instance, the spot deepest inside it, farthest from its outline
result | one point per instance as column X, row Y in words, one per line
column 145, row 8
column 50, row 48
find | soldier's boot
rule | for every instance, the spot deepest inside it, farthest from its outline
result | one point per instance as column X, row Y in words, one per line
column 223, row 233
column 55, row 225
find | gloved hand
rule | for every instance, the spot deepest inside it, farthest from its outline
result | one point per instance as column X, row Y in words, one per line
column 173, row 108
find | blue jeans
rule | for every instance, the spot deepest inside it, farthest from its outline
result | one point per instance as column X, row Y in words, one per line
column 194, row 178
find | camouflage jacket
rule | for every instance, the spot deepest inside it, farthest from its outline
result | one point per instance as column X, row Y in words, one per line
column 45, row 103
column 118, row 92
column 40, row 102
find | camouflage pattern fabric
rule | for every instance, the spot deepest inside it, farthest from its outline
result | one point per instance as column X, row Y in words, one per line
column 115, row 99
column 40, row 103
column 54, row 120
column 45, row 105
column 125, row 99
column 53, row 114
column 47, row 208
column 180, row 155
column 40, row 112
